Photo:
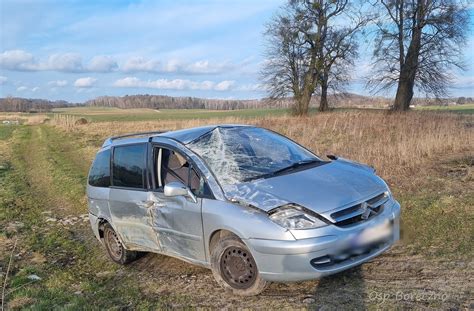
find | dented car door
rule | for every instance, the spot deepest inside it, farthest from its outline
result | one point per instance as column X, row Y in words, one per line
column 177, row 219
column 179, row 226
column 130, row 200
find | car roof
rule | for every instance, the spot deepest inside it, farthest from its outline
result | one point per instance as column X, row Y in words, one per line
column 184, row 136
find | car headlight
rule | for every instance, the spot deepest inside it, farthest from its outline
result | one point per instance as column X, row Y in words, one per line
column 294, row 217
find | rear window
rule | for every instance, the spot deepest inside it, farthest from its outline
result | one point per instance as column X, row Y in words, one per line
column 99, row 175
column 129, row 166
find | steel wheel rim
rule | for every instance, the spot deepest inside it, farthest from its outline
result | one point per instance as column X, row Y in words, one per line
column 238, row 267
column 113, row 244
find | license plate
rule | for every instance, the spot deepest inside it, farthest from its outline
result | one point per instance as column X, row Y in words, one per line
column 373, row 235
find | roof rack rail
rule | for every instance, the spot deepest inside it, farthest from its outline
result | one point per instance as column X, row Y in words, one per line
column 109, row 140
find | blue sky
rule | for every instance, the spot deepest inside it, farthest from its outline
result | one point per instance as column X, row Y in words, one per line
column 78, row 50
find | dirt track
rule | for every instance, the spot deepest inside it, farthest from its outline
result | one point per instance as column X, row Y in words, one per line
column 395, row 279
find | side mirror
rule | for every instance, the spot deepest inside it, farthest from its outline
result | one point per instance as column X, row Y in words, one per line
column 176, row 189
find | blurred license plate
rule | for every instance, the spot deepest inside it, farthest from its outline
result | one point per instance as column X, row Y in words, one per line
column 372, row 235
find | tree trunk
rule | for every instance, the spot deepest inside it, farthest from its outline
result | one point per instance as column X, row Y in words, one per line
column 302, row 103
column 304, row 98
column 404, row 95
column 323, row 102
column 406, row 83
column 408, row 70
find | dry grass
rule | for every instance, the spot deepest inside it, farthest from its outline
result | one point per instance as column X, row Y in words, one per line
column 434, row 258
column 24, row 118
column 65, row 121
column 84, row 111
column 395, row 144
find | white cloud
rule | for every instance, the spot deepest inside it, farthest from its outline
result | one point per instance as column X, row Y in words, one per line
column 3, row 80
column 59, row 83
column 206, row 67
column 64, row 62
column 102, row 64
column 72, row 62
column 224, row 85
column 67, row 62
column 86, row 82
column 175, row 84
column 16, row 60
column 25, row 88
column 136, row 64
column 141, row 64
column 251, row 87
column 128, row 82
column 24, row 61
column 172, row 65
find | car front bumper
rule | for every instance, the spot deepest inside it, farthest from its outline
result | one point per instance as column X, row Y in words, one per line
column 298, row 260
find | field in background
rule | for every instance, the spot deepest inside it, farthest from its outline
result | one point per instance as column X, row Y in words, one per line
column 427, row 157
column 467, row 108
column 104, row 114
column 392, row 143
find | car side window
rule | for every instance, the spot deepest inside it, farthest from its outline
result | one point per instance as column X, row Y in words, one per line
column 99, row 175
column 175, row 167
column 129, row 164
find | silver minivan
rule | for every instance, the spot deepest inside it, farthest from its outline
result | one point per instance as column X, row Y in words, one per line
column 246, row 202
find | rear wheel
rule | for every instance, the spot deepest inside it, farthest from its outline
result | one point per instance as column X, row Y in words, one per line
column 115, row 247
column 234, row 267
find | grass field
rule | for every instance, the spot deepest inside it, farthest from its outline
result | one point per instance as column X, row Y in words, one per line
column 105, row 114
column 467, row 109
column 426, row 157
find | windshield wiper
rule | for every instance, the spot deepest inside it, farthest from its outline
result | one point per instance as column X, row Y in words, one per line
column 292, row 167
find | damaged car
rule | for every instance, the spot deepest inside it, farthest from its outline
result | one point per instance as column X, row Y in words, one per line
column 246, row 202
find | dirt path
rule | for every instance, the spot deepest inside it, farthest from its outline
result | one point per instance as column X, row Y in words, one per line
column 74, row 269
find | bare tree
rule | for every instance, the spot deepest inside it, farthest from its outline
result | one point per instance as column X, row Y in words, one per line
column 311, row 46
column 290, row 64
column 418, row 43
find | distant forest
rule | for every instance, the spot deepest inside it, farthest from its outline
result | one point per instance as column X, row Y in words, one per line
column 167, row 102
column 17, row 104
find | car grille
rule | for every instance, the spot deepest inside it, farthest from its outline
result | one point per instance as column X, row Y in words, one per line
column 360, row 212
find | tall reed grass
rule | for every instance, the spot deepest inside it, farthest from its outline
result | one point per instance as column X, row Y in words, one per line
column 395, row 144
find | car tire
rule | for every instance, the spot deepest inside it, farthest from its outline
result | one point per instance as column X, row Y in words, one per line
column 234, row 267
column 115, row 248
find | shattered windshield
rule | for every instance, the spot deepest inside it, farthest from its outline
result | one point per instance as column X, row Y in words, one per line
column 239, row 154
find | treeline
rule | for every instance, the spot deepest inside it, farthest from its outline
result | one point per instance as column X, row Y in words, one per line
column 168, row 102
column 18, row 104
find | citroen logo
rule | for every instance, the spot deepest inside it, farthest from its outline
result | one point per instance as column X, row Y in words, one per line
column 366, row 211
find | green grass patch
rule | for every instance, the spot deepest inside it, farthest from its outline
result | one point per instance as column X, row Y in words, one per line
column 69, row 277
column 102, row 114
column 464, row 109
column 6, row 131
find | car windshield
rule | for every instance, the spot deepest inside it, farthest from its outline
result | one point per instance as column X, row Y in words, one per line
column 239, row 154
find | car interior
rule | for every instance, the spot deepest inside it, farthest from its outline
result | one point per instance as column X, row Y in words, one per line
column 172, row 166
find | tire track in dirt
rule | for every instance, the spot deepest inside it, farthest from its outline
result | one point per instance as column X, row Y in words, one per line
column 40, row 165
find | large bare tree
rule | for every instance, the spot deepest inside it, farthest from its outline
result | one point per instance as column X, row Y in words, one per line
column 417, row 45
column 311, row 46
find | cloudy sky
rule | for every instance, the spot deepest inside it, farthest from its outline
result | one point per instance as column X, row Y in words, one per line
column 78, row 50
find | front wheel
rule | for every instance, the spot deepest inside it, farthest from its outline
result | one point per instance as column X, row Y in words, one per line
column 235, row 269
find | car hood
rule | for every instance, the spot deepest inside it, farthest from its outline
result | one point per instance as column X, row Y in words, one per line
column 320, row 189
